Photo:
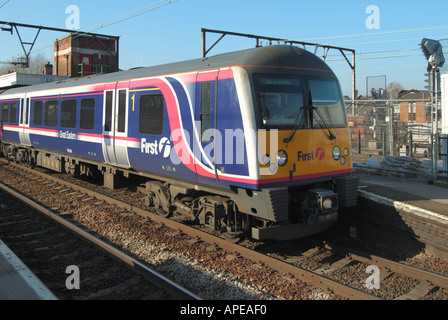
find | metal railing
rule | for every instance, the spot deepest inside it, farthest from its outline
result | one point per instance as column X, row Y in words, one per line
column 91, row 69
column 376, row 127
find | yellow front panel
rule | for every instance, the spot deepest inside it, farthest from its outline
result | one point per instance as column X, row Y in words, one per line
column 310, row 154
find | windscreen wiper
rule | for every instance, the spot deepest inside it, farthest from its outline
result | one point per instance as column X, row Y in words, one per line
column 332, row 136
column 310, row 108
column 297, row 121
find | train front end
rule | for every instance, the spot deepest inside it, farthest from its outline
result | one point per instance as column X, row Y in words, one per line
column 304, row 153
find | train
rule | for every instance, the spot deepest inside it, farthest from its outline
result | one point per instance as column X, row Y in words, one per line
column 247, row 143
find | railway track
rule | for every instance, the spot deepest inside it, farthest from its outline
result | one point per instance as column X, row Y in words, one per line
column 59, row 251
column 288, row 277
column 379, row 277
column 426, row 282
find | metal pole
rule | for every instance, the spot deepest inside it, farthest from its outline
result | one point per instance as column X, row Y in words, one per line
column 203, row 42
column 75, row 33
column 391, row 128
column 436, row 120
column 445, row 154
column 353, row 66
column 39, row 28
column 359, row 142
column 432, row 118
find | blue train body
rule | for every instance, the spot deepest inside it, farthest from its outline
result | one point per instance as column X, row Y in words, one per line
column 193, row 129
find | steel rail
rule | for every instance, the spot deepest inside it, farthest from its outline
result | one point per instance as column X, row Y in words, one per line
column 155, row 278
column 393, row 266
column 309, row 277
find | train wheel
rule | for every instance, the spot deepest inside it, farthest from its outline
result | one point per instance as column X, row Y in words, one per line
column 233, row 237
column 236, row 228
column 160, row 201
column 161, row 212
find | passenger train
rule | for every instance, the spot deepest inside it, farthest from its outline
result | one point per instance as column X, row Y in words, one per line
column 251, row 142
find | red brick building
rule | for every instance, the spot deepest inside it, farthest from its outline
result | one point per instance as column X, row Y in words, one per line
column 414, row 111
column 84, row 55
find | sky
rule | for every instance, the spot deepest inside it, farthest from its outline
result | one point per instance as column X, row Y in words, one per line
column 385, row 34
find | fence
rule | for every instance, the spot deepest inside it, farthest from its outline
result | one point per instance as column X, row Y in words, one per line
column 393, row 127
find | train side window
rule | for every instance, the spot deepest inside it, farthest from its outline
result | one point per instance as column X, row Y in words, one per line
column 87, row 114
column 108, row 116
column 22, row 104
column 121, row 121
column 27, row 109
column 37, row 115
column 13, row 113
column 150, row 120
column 205, row 103
column 24, row 109
column 5, row 112
column 51, row 113
column 68, row 114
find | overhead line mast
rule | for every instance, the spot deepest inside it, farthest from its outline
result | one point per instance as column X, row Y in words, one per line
column 326, row 48
column 25, row 64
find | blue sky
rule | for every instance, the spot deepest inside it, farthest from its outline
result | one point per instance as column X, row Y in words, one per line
column 172, row 32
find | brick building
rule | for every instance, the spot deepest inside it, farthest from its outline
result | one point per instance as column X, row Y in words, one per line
column 84, row 55
column 415, row 111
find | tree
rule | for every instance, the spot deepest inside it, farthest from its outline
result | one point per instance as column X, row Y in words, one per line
column 393, row 89
column 36, row 65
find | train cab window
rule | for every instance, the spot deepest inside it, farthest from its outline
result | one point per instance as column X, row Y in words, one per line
column 5, row 112
column 328, row 105
column 37, row 115
column 150, row 119
column 13, row 113
column 281, row 101
column 87, row 114
column 205, row 103
column 68, row 114
column 51, row 113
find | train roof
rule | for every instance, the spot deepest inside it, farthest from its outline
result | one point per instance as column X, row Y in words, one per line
column 277, row 56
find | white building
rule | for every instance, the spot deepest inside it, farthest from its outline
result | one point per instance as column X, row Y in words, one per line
column 12, row 80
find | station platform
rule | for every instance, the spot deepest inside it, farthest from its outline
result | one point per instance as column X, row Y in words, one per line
column 417, row 193
column 409, row 205
column 17, row 282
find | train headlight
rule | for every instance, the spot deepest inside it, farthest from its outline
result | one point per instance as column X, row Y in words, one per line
column 336, row 153
column 266, row 159
column 282, row 158
column 346, row 152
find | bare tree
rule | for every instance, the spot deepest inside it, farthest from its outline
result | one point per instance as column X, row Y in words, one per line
column 36, row 65
column 393, row 89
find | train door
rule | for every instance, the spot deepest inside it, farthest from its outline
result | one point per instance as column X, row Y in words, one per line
column 121, row 126
column 115, row 125
column 108, row 130
column 24, row 120
column 208, row 150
